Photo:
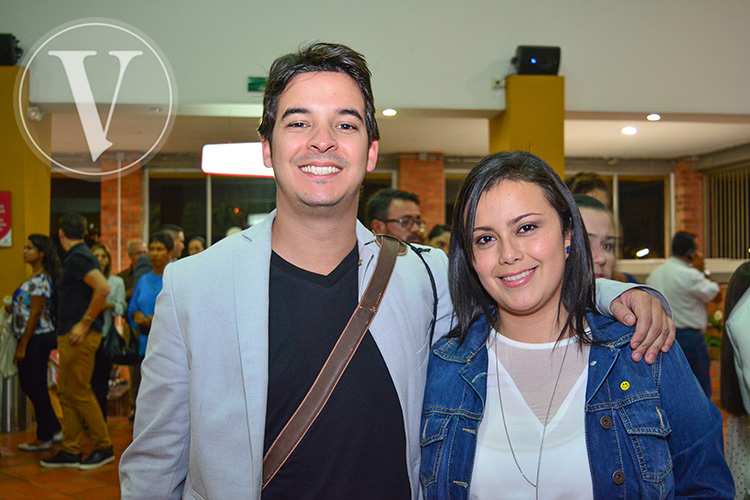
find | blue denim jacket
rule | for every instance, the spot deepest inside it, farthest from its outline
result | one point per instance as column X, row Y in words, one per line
column 659, row 437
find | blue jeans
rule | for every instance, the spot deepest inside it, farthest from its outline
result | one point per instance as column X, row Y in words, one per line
column 694, row 346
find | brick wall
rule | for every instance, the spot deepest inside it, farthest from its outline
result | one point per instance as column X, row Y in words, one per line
column 132, row 210
column 688, row 198
column 422, row 174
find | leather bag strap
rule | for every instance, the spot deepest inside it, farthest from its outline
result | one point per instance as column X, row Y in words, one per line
column 339, row 358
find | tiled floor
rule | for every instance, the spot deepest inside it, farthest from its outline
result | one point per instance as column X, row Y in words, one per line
column 21, row 476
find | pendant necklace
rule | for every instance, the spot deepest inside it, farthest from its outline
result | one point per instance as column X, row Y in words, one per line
column 546, row 417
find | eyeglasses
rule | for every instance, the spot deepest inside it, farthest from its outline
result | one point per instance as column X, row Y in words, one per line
column 408, row 221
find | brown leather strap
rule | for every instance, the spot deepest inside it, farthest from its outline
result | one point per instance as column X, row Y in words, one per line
column 347, row 344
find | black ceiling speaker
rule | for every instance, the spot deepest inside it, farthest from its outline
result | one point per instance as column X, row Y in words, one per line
column 535, row 60
column 10, row 51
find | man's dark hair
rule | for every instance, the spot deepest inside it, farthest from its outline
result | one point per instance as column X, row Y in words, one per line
column 586, row 182
column 171, row 227
column 73, row 226
column 164, row 238
column 317, row 57
column 470, row 299
column 683, row 244
column 380, row 203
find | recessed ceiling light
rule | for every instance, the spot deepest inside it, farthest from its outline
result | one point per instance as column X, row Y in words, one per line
column 629, row 130
column 389, row 112
column 653, row 117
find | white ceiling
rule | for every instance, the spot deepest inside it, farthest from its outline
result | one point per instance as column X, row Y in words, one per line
column 464, row 133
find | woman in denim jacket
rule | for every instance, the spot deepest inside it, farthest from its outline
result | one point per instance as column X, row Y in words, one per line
column 536, row 396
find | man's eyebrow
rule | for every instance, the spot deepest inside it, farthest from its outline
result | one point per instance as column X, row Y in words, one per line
column 303, row 111
column 351, row 112
column 295, row 111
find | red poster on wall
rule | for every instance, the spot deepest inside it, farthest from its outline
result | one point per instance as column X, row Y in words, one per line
column 5, row 239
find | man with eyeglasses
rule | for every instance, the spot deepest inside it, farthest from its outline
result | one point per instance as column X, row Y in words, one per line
column 396, row 212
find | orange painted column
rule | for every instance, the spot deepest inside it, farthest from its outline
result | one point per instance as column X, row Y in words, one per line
column 533, row 119
column 26, row 177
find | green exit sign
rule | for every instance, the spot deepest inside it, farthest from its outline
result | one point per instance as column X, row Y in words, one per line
column 256, row 83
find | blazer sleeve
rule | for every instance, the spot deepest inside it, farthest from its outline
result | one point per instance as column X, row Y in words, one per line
column 609, row 290
column 155, row 465
column 696, row 438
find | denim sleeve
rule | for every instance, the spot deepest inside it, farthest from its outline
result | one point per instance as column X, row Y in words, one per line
column 696, row 441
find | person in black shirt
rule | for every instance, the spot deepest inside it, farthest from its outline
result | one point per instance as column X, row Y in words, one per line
column 82, row 292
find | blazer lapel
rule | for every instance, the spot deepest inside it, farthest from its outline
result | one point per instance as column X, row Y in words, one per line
column 252, row 257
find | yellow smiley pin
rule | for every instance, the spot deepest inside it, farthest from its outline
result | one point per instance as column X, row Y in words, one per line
column 625, row 386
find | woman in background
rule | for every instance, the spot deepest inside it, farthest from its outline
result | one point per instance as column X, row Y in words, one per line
column 535, row 395
column 735, row 378
column 440, row 237
column 116, row 305
column 143, row 302
column 33, row 325
column 196, row 244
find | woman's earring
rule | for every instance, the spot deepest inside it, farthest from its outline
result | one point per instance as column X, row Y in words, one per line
column 567, row 249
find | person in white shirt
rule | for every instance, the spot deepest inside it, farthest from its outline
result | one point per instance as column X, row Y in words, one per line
column 683, row 281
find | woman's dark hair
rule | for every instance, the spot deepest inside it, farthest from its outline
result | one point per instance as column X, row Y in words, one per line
column 163, row 238
column 312, row 58
column 470, row 298
column 50, row 261
column 107, row 270
column 731, row 397
column 438, row 230
column 199, row 239
column 586, row 182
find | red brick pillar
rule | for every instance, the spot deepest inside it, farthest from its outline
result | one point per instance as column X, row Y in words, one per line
column 688, row 199
column 422, row 174
column 131, row 218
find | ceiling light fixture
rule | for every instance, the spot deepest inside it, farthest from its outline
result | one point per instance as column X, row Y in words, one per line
column 642, row 253
column 653, row 117
column 629, row 130
column 389, row 112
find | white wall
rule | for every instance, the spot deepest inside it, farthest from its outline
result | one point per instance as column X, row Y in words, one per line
column 637, row 55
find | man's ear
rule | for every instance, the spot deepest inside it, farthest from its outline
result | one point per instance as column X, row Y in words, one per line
column 266, row 145
column 372, row 156
column 378, row 226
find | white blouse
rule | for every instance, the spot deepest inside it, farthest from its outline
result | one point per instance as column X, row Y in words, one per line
column 527, row 374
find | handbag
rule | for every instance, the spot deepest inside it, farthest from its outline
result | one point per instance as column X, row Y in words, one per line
column 347, row 344
column 114, row 349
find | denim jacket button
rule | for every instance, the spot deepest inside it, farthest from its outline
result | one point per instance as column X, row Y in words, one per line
column 606, row 422
column 618, row 477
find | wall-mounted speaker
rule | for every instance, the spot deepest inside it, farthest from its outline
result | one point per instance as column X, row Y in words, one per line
column 536, row 60
column 10, row 51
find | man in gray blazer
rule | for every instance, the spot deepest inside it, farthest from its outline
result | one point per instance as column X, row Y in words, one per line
column 242, row 329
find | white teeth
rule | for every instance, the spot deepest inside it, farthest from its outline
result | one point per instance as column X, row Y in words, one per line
column 517, row 277
column 310, row 169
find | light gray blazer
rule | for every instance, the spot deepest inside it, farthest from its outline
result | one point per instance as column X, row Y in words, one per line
column 202, row 401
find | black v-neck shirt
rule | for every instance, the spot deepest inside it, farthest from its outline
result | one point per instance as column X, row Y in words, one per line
column 357, row 446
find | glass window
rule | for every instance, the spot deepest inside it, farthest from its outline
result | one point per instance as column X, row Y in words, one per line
column 76, row 195
column 239, row 202
column 641, row 211
column 180, row 201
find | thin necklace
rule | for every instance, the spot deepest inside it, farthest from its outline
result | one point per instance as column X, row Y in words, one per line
column 546, row 417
